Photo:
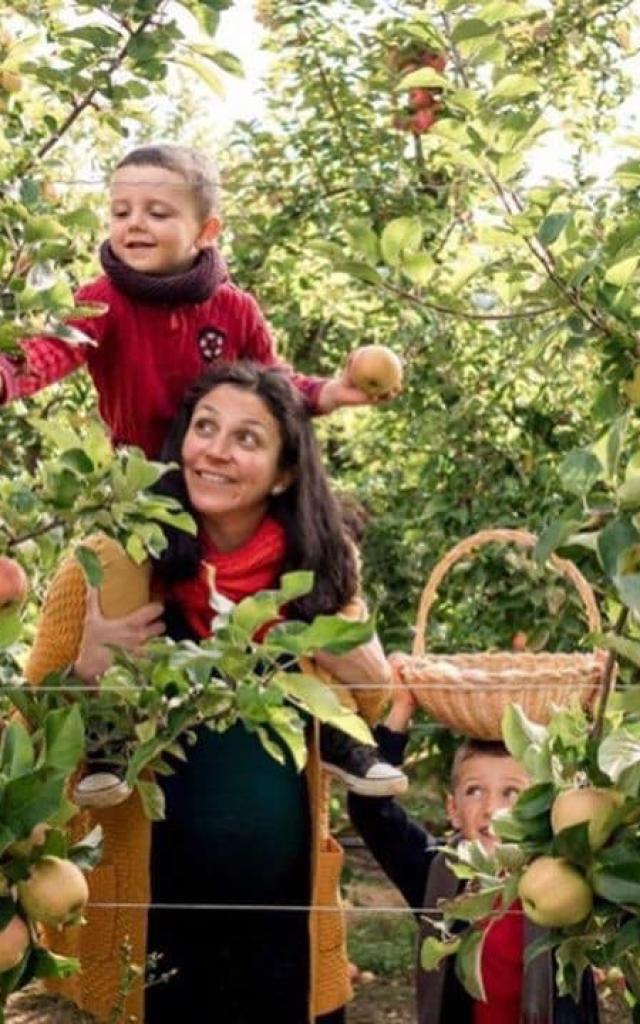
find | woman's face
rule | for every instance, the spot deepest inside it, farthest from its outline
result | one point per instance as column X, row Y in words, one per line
column 230, row 459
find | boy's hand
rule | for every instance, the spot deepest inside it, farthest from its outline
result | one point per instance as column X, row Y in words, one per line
column 339, row 391
column 403, row 703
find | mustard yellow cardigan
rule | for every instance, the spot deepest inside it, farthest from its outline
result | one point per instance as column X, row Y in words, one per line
column 122, row 880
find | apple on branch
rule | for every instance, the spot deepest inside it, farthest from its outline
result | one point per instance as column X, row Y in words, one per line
column 590, row 805
column 554, row 894
column 14, row 585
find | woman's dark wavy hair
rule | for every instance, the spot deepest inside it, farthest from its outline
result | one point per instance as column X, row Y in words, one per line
column 315, row 533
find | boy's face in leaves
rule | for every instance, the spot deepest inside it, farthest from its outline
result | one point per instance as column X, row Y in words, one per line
column 483, row 785
column 154, row 225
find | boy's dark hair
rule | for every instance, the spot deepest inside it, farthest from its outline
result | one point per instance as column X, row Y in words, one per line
column 315, row 535
column 35, row 1007
column 475, row 748
column 198, row 170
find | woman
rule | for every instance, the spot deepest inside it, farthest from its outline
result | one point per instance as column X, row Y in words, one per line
column 241, row 830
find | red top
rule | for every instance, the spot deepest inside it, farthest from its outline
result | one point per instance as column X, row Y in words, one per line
column 147, row 355
column 502, row 970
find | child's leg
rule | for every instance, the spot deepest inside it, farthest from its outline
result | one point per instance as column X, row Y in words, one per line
column 359, row 765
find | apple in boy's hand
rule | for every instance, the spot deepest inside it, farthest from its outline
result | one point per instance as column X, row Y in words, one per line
column 14, row 585
column 590, row 805
column 375, row 370
column 554, row 894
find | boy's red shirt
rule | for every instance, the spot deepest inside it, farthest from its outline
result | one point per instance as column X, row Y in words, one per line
column 147, row 355
column 502, row 970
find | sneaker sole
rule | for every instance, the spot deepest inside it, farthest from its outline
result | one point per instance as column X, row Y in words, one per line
column 368, row 787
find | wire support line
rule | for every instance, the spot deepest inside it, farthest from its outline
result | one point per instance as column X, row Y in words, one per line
column 273, row 908
column 517, row 686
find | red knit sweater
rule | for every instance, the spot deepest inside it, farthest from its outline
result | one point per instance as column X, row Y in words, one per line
column 502, row 967
column 146, row 356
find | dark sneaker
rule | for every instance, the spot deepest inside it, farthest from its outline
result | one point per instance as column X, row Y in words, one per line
column 359, row 765
column 101, row 789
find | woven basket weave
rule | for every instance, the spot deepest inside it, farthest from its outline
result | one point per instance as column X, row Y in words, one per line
column 469, row 692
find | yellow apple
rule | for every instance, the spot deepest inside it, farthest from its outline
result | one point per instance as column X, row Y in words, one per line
column 589, row 804
column 55, row 892
column 554, row 894
column 376, row 370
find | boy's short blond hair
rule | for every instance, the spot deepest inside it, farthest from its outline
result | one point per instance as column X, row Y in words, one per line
column 33, row 1006
column 200, row 172
column 475, row 748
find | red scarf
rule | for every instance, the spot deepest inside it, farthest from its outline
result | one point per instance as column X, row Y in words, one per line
column 256, row 565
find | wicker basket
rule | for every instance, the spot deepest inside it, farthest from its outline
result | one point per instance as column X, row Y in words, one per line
column 469, row 692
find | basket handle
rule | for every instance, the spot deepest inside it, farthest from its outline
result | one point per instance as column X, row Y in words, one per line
column 505, row 536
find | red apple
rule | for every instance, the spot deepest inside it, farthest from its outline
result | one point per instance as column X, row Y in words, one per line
column 421, row 98
column 14, row 585
column 422, row 121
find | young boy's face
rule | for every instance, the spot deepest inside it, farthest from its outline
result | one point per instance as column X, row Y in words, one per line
column 154, row 225
column 484, row 784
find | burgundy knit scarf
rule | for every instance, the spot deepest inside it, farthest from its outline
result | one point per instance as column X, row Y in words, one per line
column 193, row 285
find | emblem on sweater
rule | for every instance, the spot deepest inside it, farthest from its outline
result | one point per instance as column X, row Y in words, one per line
column 211, row 343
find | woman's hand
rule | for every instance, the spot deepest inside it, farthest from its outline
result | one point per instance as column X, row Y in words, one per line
column 403, row 703
column 131, row 632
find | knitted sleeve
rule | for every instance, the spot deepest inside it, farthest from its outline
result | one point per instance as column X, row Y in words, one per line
column 45, row 360
column 59, row 631
column 124, row 589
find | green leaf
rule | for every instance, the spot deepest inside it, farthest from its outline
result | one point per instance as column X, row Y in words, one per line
column 320, row 701
column 423, row 78
column 207, row 74
column 400, row 237
column 573, row 844
column 152, row 798
column 30, row 799
column 471, row 28
column 88, row 852
column 513, row 87
column 469, row 963
column 629, row 649
column 473, row 906
column 17, row 754
column 64, row 738
column 620, row 273
column 419, row 268
column 253, row 612
column 90, row 564
column 619, row 883
column 614, row 541
column 10, row 627
column 617, row 752
column 553, row 537
column 52, row 965
column 361, row 271
column 579, row 471
column 433, row 951
column 519, row 732
column 628, row 587
column 534, row 801
column 552, row 227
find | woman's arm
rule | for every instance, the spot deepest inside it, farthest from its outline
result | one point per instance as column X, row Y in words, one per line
column 400, row 845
